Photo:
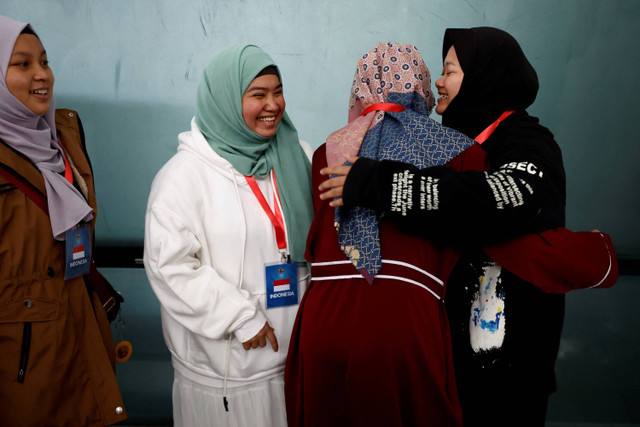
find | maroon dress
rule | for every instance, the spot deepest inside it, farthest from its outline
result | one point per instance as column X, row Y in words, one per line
column 380, row 354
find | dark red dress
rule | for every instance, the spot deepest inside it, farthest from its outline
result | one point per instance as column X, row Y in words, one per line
column 368, row 355
column 380, row 354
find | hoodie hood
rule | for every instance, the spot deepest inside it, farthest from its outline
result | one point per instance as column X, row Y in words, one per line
column 497, row 78
column 219, row 118
column 196, row 143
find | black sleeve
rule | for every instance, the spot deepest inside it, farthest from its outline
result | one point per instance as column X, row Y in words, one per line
column 522, row 192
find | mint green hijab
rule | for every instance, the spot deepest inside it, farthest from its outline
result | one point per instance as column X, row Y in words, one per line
column 219, row 117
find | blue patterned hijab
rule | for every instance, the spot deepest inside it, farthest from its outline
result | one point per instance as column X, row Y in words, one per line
column 389, row 73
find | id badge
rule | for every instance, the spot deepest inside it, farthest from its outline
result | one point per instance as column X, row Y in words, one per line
column 78, row 252
column 282, row 284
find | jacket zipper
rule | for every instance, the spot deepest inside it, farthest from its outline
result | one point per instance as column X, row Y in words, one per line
column 24, row 352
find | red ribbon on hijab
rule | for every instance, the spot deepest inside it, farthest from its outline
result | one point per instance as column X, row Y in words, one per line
column 384, row 106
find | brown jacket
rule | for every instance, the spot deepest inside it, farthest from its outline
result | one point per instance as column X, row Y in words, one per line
column 48, row 327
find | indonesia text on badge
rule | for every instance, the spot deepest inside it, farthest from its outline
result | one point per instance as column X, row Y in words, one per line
column 282, row 285
column 78, row 252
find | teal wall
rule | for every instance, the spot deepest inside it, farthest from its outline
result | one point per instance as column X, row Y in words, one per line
column 131, row 67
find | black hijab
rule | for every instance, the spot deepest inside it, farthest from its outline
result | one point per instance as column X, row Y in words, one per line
column 497, row 77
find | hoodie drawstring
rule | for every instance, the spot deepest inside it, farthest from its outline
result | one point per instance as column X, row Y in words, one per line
column 225, row 402
column 241, row 275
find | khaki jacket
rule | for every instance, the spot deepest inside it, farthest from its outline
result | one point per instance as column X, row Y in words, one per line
column 48, row 327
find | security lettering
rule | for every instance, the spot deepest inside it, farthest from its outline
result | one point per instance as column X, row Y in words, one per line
column 528, row 167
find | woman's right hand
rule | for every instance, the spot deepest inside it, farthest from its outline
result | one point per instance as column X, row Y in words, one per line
column 332, row 188
column 260, row 340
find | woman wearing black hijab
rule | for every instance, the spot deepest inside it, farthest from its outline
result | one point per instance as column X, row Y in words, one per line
column 505, row 331
column 504, row 301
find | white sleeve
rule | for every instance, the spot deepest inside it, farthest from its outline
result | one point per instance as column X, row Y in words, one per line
column 192, row 293
column 307, row 149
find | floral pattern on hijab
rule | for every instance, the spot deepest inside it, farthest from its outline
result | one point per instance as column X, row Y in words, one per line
column 35, row 137
column 389, row 73
column 382, row 73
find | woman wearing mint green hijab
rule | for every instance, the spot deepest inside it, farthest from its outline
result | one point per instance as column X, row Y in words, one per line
column 226, row 225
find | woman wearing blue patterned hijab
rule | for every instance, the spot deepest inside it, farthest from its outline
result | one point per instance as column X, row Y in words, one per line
column 371, row 341
column 390, row 74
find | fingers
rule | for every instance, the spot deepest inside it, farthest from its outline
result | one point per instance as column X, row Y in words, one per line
column 336, row 202
column 260, row 340
column 332, row 189
column 331, row 193
column 339, row 169
column 335, row 170
column 271, row 336
column 334, row 182
column 252, row 343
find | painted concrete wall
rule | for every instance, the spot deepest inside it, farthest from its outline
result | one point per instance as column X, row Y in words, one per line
column 131, row 68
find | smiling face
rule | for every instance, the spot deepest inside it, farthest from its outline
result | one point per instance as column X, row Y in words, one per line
column 449, row 84
column 29, row 77
column 263, row 105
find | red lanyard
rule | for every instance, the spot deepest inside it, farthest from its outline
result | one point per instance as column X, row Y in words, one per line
column 68, row 174
column 276, row 218
column 488, row 131
column 383, row 106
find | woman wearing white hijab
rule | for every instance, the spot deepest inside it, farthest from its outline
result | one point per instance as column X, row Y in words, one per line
column 56, row 363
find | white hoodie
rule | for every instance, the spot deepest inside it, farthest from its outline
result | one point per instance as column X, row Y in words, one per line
column 207, row 240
